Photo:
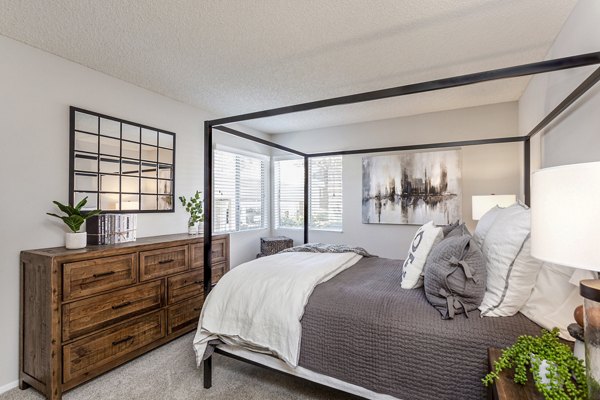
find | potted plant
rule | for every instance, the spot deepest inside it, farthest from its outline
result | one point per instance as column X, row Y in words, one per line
column 194, row 207
column 74, row 218
column 556, row 372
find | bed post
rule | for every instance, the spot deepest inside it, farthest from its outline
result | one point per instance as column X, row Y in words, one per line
column 207, row 372
column 306, row 209
column 527, row 170
column 208, row 174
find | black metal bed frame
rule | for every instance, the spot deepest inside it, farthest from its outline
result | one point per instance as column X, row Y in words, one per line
column 439, row 84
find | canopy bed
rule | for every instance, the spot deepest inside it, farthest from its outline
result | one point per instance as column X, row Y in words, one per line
column 351, row 339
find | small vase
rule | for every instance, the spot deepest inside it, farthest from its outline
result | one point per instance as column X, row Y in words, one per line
column 75, row 240
column 192, row 227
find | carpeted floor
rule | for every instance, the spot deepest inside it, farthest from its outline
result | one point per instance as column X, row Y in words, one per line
column 169, row 372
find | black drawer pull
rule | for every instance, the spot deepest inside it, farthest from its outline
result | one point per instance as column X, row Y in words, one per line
column 166, row 261
column 121, row 305
column 125, row 339
column 198, row 309
column 102, row 274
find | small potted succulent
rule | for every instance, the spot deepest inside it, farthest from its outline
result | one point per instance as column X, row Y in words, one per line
column 557, row 373
column 194, row 207
column 74, row 218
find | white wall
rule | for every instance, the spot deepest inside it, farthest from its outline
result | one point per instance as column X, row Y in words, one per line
column 37, row 90
column 486, row 169
column 574, row 137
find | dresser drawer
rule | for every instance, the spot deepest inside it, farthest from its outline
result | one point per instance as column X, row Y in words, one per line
column 157, row 263
column 85, row 355
column 89, row 315
column 184, row 286
column 88, row 277
column 218, row 270
column 185, row 314
column 220, row 252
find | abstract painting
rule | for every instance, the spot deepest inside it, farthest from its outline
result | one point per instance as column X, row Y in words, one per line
column 412, row 188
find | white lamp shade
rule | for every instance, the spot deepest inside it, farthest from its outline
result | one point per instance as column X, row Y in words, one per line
column 483, row 204
column 565, row 215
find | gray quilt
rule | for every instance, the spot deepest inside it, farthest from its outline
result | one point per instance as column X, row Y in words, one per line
column 327, row 248
column 362, row 328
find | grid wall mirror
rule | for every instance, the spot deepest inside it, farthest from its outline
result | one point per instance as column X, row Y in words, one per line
column 121, row 166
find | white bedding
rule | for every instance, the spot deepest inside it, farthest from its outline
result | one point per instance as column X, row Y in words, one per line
column 258, row 305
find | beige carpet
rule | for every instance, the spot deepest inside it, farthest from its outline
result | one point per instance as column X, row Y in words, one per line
column 169, row 372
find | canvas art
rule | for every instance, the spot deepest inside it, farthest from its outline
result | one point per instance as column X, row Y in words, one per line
column 412, row 188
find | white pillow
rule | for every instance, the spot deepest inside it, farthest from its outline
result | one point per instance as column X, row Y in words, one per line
column 412, row 271
column 555, row 297
column 484, row 225
column 511, row 271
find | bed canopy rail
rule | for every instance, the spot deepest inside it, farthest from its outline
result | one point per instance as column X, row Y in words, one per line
column 439, row 84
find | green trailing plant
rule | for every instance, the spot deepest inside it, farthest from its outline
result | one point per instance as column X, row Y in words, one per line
column 194, row 207
column 566, row 379
column 74, row 218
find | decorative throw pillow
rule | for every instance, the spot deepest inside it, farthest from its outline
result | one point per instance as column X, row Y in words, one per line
column 460, row 230
column 555, row 296
column 446, row 229
column 455, row 276
column 511, row 270
column 426, row 237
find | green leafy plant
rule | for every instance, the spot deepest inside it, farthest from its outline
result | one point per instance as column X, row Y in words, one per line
column 566, row 379
column 74, row 218
column 194, row 207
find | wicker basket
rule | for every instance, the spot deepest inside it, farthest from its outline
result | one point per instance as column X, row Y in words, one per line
column 273, row 245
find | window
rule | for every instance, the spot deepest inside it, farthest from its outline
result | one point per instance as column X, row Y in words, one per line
column 325, row 193
column 239, row 192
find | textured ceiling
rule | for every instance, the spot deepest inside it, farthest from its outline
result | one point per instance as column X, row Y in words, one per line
column 237, row 56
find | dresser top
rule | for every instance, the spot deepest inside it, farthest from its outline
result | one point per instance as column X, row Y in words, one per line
column 174, row 239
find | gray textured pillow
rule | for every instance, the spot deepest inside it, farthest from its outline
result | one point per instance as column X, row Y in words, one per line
column 455, row 276
column 446, row 229
column 458, row 230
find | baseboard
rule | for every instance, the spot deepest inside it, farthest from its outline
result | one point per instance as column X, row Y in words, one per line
column 8, row 386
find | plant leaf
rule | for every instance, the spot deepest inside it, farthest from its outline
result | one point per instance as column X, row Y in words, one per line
column 82, row 203
column 64, row 208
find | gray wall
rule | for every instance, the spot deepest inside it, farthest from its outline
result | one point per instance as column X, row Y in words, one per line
column 575, row 136
column 486, row 169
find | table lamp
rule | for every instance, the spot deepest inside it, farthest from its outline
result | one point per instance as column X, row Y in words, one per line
column 565, row 230
column 482, row 204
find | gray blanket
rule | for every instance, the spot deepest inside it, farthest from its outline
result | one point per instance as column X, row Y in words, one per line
column 362, row 328
column 328, row 248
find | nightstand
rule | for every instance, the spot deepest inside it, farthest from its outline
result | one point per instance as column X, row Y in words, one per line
column 505, row 387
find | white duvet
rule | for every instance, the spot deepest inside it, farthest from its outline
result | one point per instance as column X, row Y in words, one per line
column 258, row 305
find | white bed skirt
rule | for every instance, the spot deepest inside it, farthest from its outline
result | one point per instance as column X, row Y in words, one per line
column 277, row 364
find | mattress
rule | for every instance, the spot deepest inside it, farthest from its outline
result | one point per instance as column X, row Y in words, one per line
column 361, row 328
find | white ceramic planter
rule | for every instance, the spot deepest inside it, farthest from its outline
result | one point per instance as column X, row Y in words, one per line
column 75, row 240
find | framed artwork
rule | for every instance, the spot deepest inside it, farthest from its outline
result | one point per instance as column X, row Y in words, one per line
column 412, row 188
column 119, row 165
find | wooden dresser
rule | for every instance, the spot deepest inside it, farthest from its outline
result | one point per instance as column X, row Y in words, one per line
column 84, row 312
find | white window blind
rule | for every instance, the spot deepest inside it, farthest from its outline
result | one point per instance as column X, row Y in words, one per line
column 325, row 193
column 239, row 192
column 288, row 201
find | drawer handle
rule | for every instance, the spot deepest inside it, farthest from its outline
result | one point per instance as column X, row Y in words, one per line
column 198, row 309
column 166, row 261
column 125, row 339
column 103, row 274
column 116, row 307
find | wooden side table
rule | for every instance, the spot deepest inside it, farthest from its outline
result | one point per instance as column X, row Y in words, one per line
column 505, row 387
